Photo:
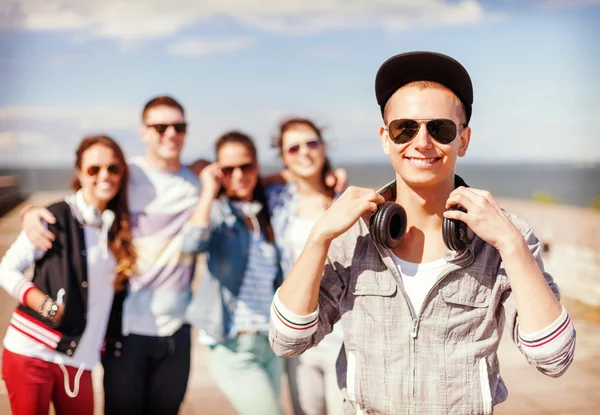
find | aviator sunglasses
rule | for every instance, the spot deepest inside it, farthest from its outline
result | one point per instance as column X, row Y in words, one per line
column 403, row 130
column 112, row 169
column 180, row 127
column 245, row 168
column 312, row 145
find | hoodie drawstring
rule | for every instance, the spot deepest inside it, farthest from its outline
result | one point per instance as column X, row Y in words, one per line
column 75, row 391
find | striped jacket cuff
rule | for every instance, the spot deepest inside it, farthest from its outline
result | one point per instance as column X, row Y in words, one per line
column 548, row 340
column 290, row 324
column 23, row 289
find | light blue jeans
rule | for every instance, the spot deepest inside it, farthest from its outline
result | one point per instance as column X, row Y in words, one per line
column 248, row 373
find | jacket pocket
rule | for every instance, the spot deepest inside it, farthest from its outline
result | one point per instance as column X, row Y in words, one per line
column 372, row 283
column 466, row 308
column 486, row 394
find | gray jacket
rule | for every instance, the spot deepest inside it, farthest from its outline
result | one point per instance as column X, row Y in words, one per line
column 443, row 361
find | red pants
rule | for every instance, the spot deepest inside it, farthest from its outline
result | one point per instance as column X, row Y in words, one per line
column 32, row 383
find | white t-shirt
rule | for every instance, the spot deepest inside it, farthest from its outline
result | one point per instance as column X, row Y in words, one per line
column 418, row 279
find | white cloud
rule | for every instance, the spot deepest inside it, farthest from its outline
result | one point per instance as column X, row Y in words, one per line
column 12, row 139
column 86, row 119
column 135, row 20
column 206, row 46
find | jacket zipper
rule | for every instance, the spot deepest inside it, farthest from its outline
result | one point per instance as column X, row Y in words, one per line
column 414, row 332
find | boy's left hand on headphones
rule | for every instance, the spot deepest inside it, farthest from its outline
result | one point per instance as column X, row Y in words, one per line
column 483, row 216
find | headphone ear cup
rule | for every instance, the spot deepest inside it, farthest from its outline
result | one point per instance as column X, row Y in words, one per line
column 388, row 225
column 454, row 232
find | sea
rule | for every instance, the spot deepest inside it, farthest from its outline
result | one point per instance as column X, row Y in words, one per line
column 561, row 183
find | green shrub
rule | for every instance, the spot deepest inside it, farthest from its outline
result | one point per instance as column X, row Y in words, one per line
column 595, row 203
column 544, row 197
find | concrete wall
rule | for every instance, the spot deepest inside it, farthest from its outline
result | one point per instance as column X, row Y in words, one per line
column 572, row 235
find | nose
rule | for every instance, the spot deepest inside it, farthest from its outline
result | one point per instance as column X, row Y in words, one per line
column 103, row 174
column 423, row 140
column 170, row 131
column 304, row 150
column 237, row 174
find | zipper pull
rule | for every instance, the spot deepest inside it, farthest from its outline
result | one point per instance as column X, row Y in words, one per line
column 415, row 328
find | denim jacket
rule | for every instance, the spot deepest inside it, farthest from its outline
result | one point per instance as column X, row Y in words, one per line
column 226, row 243
column 283, row 203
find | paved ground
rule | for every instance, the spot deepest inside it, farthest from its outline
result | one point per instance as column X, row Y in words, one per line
column 530, row 392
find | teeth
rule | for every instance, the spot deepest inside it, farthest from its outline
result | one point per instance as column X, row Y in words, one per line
column 422, row 161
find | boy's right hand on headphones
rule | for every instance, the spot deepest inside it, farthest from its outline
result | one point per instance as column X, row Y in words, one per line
column 345, row 211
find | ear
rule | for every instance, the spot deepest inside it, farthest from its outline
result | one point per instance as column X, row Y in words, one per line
column 465, row 139
column 385, row 140
column 143, row 132
column 79, row 174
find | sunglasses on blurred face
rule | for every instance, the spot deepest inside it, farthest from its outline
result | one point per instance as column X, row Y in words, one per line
column 180, row 127
column 403, row 130
column 112, row 169
column 244, row 168
column 312, row 145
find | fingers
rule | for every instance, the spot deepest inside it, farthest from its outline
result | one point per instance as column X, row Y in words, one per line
column 41, row 239
column 457, row 214
column 35, row 229
column 330, row 180
column 365, row 199
column 466, row 198
column 341, row 182
column 48, row 217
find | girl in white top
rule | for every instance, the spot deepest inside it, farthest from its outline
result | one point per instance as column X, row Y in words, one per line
column 36, row 367
column 295, row 207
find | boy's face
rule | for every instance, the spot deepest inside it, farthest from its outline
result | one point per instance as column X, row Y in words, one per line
column 424, row 162
column 168, row 144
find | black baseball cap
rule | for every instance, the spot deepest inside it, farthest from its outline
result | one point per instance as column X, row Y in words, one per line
column 408, row 67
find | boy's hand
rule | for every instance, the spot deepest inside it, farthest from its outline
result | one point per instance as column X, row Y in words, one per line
column 483, row 216
column 34, row 228
column 337, row 179
column 345, row 211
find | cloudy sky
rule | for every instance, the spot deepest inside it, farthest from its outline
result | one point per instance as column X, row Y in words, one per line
column 71, row 67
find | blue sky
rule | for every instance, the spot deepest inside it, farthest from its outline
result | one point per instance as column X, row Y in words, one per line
column 69, row 68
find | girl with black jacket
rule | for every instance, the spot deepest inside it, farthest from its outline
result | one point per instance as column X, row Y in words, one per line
column 73, row 304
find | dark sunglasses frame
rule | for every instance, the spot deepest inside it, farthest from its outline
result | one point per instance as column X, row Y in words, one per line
column 442, row 130
column 245, row 168
column 180, row 127
column 112, row 169
column 311, row 144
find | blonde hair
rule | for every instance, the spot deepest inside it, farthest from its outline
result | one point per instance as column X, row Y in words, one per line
column 461, row 112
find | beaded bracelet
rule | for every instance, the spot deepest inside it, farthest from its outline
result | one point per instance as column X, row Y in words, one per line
column 41, row 309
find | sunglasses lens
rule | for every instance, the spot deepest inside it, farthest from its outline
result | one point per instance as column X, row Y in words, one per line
column 294, row 149
column 114, row 169
column 247, row 167
column 402, row 131
column 93, row 170
column 160, row 128
column 313, row 144
column 227, row 171
column 443, row 131
column 180, row 127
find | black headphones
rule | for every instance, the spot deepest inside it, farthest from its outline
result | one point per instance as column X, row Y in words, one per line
column 388, row 224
